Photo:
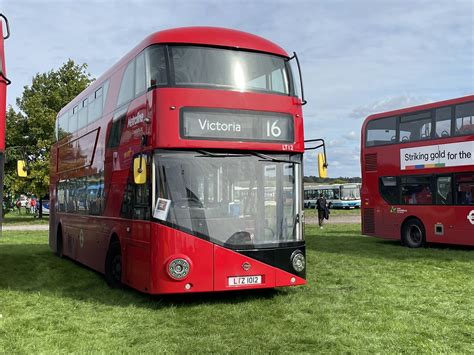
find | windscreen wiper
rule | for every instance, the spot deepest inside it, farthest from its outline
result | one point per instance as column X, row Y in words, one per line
column 205, row 153
column 265, row 157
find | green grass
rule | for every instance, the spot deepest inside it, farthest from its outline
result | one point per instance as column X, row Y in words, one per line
column 363, row 295
column 13, row 218
column 312, row 212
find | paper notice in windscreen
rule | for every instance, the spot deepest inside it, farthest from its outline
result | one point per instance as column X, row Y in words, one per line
column 161, row 209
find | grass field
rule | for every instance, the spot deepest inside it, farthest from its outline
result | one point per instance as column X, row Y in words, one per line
column 363, row 295
column 13, row 218
column 311, row 212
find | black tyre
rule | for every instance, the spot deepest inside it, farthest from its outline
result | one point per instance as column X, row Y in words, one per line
column 59, row 243
column 413, row 233
column 113, row 266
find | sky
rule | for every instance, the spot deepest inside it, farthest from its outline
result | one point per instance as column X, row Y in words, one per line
column 357, row 57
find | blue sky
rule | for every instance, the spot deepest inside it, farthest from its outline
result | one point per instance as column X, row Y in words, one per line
column 358, row 57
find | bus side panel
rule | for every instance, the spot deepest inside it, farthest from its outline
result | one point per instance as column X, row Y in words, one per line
column 168, row 244
column 465, row 225
column 137, row 254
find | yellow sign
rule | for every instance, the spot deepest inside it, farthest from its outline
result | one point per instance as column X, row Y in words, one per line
column 322, row 168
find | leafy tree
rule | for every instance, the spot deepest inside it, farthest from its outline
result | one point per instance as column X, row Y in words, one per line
column 30, row 132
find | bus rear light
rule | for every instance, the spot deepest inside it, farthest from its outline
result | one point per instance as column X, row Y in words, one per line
column 178, row 269
column 298, row 261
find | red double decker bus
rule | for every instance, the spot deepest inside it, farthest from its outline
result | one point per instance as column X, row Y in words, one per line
column 180, row 169
column 418, row 174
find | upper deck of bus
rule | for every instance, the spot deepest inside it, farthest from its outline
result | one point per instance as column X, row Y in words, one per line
column 385, row 136
column 205, row 36
column 412, row 109
column 165, row 111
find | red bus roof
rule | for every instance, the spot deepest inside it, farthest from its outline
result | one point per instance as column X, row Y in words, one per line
column 214, row 36
column 422, row 107
column 211, row 36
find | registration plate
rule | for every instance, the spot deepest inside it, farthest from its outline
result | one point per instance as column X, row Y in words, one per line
column 244, row 280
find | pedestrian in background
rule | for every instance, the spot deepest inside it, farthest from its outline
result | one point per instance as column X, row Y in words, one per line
column 322, row 207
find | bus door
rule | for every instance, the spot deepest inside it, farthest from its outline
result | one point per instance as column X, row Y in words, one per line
column 441, row 221
column 136, row 208
column 464, row 210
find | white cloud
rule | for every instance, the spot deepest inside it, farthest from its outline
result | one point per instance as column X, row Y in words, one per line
column 352, row 136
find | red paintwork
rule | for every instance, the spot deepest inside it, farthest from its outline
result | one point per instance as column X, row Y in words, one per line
column 458, row 230
column 147, row 246
column 3, row 94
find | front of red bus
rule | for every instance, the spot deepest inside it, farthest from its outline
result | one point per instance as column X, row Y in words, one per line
column 227, row 137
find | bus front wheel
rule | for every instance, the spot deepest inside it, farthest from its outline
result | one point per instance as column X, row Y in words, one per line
column 413, row 233
column 113, row 266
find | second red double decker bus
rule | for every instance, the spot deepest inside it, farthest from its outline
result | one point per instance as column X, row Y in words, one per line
column 418, row 173
column 180, row 169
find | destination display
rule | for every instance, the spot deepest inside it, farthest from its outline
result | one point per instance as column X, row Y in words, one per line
column 236, row 125
column 437, row 156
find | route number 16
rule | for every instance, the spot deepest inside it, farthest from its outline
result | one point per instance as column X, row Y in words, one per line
column 273, row 130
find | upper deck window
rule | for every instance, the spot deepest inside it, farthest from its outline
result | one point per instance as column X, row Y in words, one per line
column 381, row 131
column 156, row 60
column 415, row 127
column 465, row 119
column 443, row 122
column 229, row 69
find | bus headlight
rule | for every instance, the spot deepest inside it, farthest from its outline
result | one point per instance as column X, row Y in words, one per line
column 298, row 261
column 178, row 268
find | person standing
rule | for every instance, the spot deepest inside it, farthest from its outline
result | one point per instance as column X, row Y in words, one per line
column 33, row 205
column 322, row 207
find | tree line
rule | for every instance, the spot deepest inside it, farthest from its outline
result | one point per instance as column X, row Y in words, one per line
column 328, row 181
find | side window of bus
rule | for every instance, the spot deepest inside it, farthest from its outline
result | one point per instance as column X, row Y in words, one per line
column 73, row 118
column 388, row 187
column 416, row 190
column 415, row 127
column 443, row 122
column 116, row 128
column 464, row 189
column 82, row 122
column 96, row 104
column 444, row 195
column 63, row 126
column 127, row 89
column 381, row 131
column 156, row 62
column 140, row 78
column 465, row 119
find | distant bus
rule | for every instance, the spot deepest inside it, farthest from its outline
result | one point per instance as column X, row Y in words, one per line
column 337, row 195
column 418, row 173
